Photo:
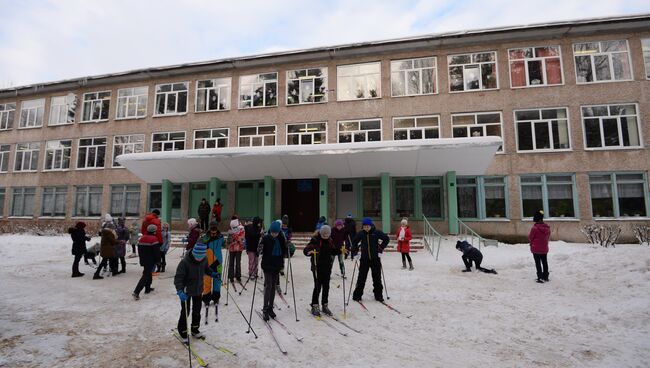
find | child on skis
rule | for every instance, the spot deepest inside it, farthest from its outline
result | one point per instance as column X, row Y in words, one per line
column 471, row 254
column 367, row 248
column 253, row 234
column 235, row 248
column 338, row 238
column 321, row 250
column 273, row 249
column 194, row 233
column 214, row 241
column 404, row 237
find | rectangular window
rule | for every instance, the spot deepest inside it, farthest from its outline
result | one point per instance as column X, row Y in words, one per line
column 7, row 112
column 31, row 113
column 413, row 77
column 359, row 131
column 416, row 127
column 167, row 141
column 54, row 201
column 91, row 153
column 258, row 90
column 535, row 66
column 88, row 201
column 171, row 98
column 605, row 61
column 63, row 110
column 22, row 203
column 473, row 72
column 477, row 125
column 2, row 202
column 542, row 130
column 57, row 155
column 552, row 193
column 404, row 197
column 155, row 199
column 618, row 195
column 4, row 157
column 96, row 106
column 255, row 136
column 308, row 133
column 481, row 197
column 358, row 81
column 431, row 197
column 125, row 200
column 123, row 144
column 645, row 45
column 611, row 126
column 305, row 86
column 371, row 191
column 211, row 138
column 132, row 102
column 213, row 94
column 27, row 156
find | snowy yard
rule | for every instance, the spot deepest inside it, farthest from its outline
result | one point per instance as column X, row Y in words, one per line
column 595, row 312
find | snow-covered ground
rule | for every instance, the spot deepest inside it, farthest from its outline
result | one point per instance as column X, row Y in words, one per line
column 595, row 312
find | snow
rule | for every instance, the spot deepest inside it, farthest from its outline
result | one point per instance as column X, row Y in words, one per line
column 593, row 313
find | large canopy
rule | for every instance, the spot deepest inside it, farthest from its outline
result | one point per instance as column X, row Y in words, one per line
column 466, row 156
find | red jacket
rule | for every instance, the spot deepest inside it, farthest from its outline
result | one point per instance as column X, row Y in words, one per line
column 404, row 246
column 538, row 238
column 152, row 219
column 216, row 212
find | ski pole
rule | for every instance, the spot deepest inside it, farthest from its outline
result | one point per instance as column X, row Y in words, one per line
column 293, row 290
column 343, row 282
column 250, row 316
column 242, row 314
column 286, row 275
column 354, row 269
column 244, row 286
column 384, row 276
column 225, row 271
column 187, row 333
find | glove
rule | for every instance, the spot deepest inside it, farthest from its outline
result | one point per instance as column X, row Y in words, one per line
column 181, row 294
column 216, row 276
column 219, row 269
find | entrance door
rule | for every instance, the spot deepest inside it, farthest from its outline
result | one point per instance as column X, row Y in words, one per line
column 300, row 203
column 198, row 191
column 249, row 199
column 346, row 198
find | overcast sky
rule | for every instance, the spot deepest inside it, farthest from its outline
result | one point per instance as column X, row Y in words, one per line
column 42, row 41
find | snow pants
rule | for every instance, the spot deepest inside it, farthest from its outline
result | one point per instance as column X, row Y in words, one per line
column 252, row 264
column 473, row 255
column 541, row 265
column 204, row 222
column 321, row 283
column 193, row 302
column 234, row 266
column 271, row 278
column 375, row 266
column 145, row 280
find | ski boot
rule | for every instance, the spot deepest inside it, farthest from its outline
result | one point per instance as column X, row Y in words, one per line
column 265, row 315
column 271, row 313
column 314, row 310
column 326, row 310
column 467, row 270
column 198, row 334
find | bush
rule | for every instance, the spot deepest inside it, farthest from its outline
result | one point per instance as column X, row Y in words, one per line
column 642, row 233
column 603, row 235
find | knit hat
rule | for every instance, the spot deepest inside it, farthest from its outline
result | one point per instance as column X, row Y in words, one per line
column 338, row 222
column 156, row 212
column 275, row 227
column 214, row 226
column 191, row 222
column 108, row 217
column 538, row 216
column 349, row 215
column 151, row 229
column 404, row 221
column 325, row 231
column 199, row 251
column 80, row 225
column 366, row 221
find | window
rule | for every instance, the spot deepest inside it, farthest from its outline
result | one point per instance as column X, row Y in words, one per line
column 57, row 155
column 91, row 153
column 358, row 81
column 155, row 199
column 211, row 138
column 7, row 112
column 27, row 156
column 132, row 102
column 96, row 106
column 31, row 113
column 413, row 77
column 535, row 66
column 213, row 94
column 22, row 203
column 125, row 200
column 469, row 72
column 171, row 98
column 481, row 197
column 306, row 86
column 416, row 127
column 645, row 45
column 63, row 110
column 618, row 194
column 54, row 201
column 88, row 201
column 168, row 141
column 606, row 61
column 308, row 133
column 258, row 90
column 4, row 157
column 608, row 126
column 404, row 197
column 371, row 191
column 2, row 201
column 476, row 125
column 359, row 131
column 552, row 193
column 431, row 197
column 257, row 136
column 542, row 130
column 123, row 144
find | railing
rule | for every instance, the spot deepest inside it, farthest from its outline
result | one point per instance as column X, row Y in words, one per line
column 465, row 232
column 431, row 236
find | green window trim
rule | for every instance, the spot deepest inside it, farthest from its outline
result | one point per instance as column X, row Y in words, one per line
column 157, row 188
column 614, row 188
column 419, row 183
column 544, row 184
column 481, row 208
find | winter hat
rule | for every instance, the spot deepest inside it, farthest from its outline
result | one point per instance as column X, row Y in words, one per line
column 80, row 225
column 338, row 222
column 108, row 217
column 325, row 231
column 349, row 214
column 234, row 224
column 538, row 216
column 151, row 229
column 199, row 251
column 322, row 219
column 156, row 212
column 191, row 222
column 458, row 243
column 275, row 227
column 366, row 221
column 404, row 221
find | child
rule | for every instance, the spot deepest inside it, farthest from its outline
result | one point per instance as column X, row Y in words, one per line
column 194, row 233
column 79, row 239
column 338, row 237
column 91, row 253
column 164, row 247
column 107, row 250
column 214, row 241
column 370, row 242
column 273, row 249
column 321, row 250
column 134, row 234
column 539, row 236
column 147, row 251
column 404, row 237
column 122, row 238
column 235, row 248
column 471, row 254
column 253, row 234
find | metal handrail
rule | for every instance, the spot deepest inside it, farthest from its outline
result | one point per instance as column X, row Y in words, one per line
column 430, row 234
column 464, row 231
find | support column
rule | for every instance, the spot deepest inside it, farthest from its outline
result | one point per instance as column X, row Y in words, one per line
column 322, row 197
column 269, row 194
column 452, row 203
column 166, row 206
column 214, row 189
column 385, row 202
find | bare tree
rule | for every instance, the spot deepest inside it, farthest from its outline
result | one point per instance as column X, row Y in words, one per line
column 603, row 235
column 642, row 233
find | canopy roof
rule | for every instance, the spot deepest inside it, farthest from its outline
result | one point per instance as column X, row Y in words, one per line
column 466, row 156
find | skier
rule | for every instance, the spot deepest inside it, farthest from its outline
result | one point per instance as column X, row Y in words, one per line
column 350, row 227
column 338, row 237
column 273, row 249
column 194, row 233
column 235, row 248
column 471, row 254
column 79, row 239
column 164, row 247
column 404, row 237
column 253, row 234
column 538, row 237
column 216, row 211
column 367, row 248
column 107, row 251
column 122, row 238
column 214, row 241
column 134, row 234
column 321, row 250
column 204, row 214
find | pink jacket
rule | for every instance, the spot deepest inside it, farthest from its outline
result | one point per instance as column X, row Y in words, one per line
column 237, row 240
column 538, row 238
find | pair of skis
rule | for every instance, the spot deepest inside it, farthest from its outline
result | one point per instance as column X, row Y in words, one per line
column 196, row 355
column 283, row 350
column 390, row 307
column 332, row 325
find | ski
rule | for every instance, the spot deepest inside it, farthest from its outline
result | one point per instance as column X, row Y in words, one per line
column 395, row 310
column 220, row 348
column 284, row 327
column 232, row 282
column 365, row 309
column 318, row 318
column 344, row 324
column 199, row 360
column 268, row 325
column 283, row 299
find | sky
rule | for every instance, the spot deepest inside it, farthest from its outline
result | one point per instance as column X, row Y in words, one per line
column 50, row 40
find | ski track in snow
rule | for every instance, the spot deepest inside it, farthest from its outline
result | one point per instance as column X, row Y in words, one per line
column 593, row 313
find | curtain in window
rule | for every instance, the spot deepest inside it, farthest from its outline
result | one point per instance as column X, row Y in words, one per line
column 518, row 73
column 601, row 191
column 630, row 190
column 132, row 204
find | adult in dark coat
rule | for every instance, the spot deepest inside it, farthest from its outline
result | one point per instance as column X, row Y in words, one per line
column 79, row 239
column 273, row 249
column 367, row 248
column 350, row 229
column 204, row 214
column 321, row 251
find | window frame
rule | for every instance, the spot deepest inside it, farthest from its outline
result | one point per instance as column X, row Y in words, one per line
column 645, row 53
column 496, row 69
column 545, row 206
column 338, row 130
column 502, row 149
column 436, row 87
column 124, row 190
column 480, row 186
column 609, row 59
column 338, row 84
column 3, row 198
column 87, row 193
column 55, row 152
column 408, row 130
column 287, row 134
column 600, row 125
column 543, row 59
column 92, row 102
column 211, row 130
column 207, row 91
column 5, row 157
column 613, row 181
column 549, row 121
column 23, row 193
column 20, row 153
column 166, row 94
column 240, row 104
column 29, row 113
column 307, row 77
column 79, row 146
column 169, row 133
column 59, row 107
column 58, row 190
column 176, row 213
column 5, row 113
column 126, row 100
column 275, row 135
column 115, row 165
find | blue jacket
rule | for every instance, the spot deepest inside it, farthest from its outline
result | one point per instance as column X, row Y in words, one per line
column 167, row 240
column 370, row 243
column 214, row 257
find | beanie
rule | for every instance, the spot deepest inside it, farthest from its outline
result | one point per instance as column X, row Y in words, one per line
column 191, row 222
column 366, row 221
column 404, row 221
column 151, row 229
column 234, row 224
column 538, row 216
column 199, row 251
column 349, row 214
column 108, row 217
column 325, row 231
column 338, row 222
column 214, row 226
column 275, row 227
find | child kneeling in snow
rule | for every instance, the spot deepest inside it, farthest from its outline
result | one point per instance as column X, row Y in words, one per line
column 471, row 254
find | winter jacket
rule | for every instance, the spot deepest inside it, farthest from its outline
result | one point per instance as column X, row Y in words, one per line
column 152, row 219
column 122, row 237
column 469, row 251
column 253, row 235
column 538, row 238
column 147, row 250
column 236, row 240
column 370, row 243
column 204, row 210
column 350, row 227
column 193, row 236
column 189, row 275
column 288, row 233
column 325, row 250
column 79, row 240
column 270, row 262
column 404, row 246
column 134, row 234
column 215, row 260
column 108, row 243
column 216, row 212
column 338, row 237
column 167, row 240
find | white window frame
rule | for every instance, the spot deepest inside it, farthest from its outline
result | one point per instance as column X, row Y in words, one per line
column 536, row 58
column 222, row 86
column 8, row 110
column 33, row 111
column 549, row 122
column 96, row 146
column 168, row 141
column 60, row 107
column 212, row 138
column 475, row 114
column 5, row 151
column 57, row 151
column 28, row 151
column 413, row 69
column 416, row 127
column 609, row 60
column 353, row 132
column 251, row 87
column 165, row 95
column 124, row 190
column 134, row 146
column 645, row 53
column 258, row 135
column 57, row 191
column 620, row 134
column 23, row 193
column 480, row 79
column 87, row 191
column 307, row 78
column 97, row 101
column 132, row 99
column 306, row 132
column 365, row 76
